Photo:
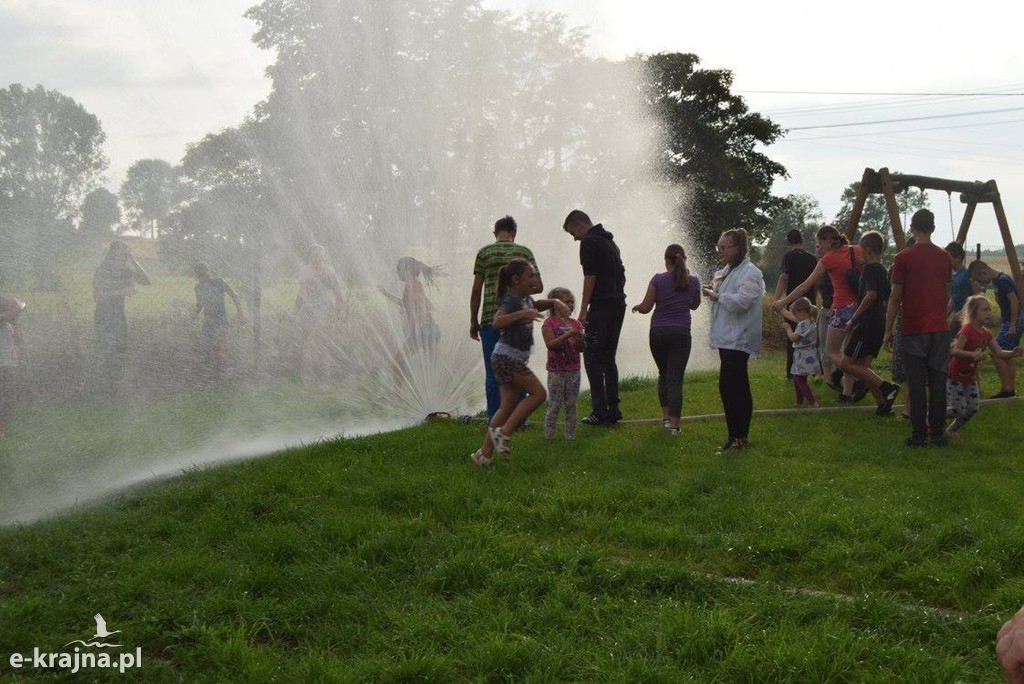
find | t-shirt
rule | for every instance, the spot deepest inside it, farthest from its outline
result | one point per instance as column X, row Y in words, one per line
column 316, row 286
column 837, row 263
column 874, row 278
column 798, row 265
column 1004, row 287
column 519, row 335
column 210, row 296
column 488, row 263
column 807, row 331
column 960, row 289
column 566, row 357
column 923, row 270
column 599, row 256
column 672, row 306
column 966, row 370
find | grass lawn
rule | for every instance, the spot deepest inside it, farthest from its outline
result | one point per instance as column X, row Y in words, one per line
column 828, row 552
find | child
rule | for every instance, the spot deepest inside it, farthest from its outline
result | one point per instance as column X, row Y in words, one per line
column 421, row 332
column 514, row 319
column 9, row 310
column 565, row 341
column 962, row 384
column 1012, row 322
column 210, row 293
column 804, row 338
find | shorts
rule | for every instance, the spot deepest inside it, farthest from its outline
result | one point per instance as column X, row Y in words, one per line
column 840, row 317
column 865, row 340
column 506, row 368
column 1007, row 341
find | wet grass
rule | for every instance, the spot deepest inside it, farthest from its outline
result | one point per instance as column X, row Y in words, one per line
column 827, row 553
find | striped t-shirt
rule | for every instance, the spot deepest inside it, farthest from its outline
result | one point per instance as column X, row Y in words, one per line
column 489, row 261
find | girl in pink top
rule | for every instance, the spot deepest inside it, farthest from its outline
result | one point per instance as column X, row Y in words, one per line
column 564, row 339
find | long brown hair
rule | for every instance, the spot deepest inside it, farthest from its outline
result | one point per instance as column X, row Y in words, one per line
column 742, row 242
column 507, row 272
column 676, row 255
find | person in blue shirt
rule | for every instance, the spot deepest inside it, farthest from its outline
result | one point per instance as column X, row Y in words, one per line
column 961, row 286
column 1012, row 322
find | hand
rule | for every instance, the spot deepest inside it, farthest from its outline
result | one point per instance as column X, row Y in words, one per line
column 778, row 306
column 887, row 341
column 533, row 314
column 560, row 308
column 1016, row 351
column 1010, row 648
column 978, row 355
column 850, row 325
column 636, row 308
column 583, row 318
column 474, row 331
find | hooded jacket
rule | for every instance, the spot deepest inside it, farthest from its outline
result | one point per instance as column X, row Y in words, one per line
column 736, row 316
column 599, row 256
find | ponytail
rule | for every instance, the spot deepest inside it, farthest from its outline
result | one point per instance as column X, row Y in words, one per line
column 676, row 256
column 507, row 272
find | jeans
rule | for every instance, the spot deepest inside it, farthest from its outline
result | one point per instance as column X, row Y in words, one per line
column 670, row 347
column 734, row 386
column 489, row 338
column 604, row 324
column 925, row 362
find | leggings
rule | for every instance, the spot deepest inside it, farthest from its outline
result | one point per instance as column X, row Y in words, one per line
column 563, row 389
column 670, row 347
column 734, row 386
column 803, row 390
column 962, row 399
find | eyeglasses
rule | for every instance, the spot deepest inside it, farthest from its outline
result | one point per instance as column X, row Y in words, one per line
column 722, row 248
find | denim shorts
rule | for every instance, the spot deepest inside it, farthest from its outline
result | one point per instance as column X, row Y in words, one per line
column 1007, row 341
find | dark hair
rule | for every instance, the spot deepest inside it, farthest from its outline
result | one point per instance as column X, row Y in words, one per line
column 794, row 237
column 874, row 241
column 956, row 250
column 742, row 242
column 922, row 221
column 832, row 234
column 977, row 266
column 676, row 255
column 576, row 216
column 418, row 268
column 505, row 224
column 509, row 271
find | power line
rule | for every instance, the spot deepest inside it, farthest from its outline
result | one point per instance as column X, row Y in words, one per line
column 914, row 118
column 903, row 130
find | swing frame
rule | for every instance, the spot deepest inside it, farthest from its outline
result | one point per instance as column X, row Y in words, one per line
column 972, row 193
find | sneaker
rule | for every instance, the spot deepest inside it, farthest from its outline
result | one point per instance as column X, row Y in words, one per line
column 732, row 445
column 592, row 419
column 479, row 458
column 613, row 417
column 666, row 423
column 860, row 390
column 500, row 440
column 673, row 431
column 939, row 441
column 889, row 394
column 916, row 441
column 1003, row 394
column 845, row 399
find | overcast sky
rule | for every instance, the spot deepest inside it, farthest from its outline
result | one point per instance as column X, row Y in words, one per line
column 161, row 74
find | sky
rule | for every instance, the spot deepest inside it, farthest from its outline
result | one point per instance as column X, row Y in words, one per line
column 162, row 74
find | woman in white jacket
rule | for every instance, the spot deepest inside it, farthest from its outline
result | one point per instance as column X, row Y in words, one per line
column 736, row 293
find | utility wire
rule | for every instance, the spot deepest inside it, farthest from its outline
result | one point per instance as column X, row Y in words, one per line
column 903, row 130
column 914, row 118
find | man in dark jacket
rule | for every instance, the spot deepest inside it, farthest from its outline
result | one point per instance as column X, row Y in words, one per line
column 602, row 310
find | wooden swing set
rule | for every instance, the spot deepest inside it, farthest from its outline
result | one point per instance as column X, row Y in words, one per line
column 972, row 193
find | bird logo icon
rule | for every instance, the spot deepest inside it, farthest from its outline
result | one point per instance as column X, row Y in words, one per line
column 101, row 633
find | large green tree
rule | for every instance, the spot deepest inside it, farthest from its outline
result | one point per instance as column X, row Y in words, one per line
column 101, row 215
column 147, row 194
column 51, row 156
column 713, row 145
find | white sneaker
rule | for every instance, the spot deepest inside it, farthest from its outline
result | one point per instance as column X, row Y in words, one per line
column 501, row 441
column 479, row 458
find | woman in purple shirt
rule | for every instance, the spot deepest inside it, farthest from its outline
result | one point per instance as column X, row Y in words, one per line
column 672, row 294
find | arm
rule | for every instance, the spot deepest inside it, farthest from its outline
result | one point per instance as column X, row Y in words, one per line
column 389, row 296
column 230, row 292
column 802, row 288
column 139, row 273
column 790, row 333
column 647, row 304
column 869, row 298
column 588, row 291
column 1014, row 311
column 695, row 302
column 748, row 294
column 475, row 297
column 1001, row 353
column 959, row 349
column 503, row 319
column 895, row 299
column 780, row 286
column 788, row 315
column 553, row 341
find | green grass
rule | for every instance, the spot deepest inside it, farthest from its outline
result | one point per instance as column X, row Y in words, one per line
column 827, row 552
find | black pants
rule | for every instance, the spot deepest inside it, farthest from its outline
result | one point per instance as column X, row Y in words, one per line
column 734, row 386
column 670, row 347
column 604, row 324
column 925, row 363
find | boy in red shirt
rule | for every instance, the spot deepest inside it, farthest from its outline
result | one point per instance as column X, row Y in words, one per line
column 920, row 281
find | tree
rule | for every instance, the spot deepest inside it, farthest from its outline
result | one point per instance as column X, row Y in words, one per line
column 147, row 194
column 875, row 215
column 50, row 157
column 711, row 144
column 101, row 214
column 801, row 212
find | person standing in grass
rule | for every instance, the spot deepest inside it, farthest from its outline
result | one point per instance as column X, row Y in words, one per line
column 112, row 283
column 921, row 275
column 421, row 332
column 804, row 339
column 962, row 392
column 672, row 294
column 736, row 293
column 210, row 303
column 866, row 326
column 10, row 308
column 489, row 261
column 797, row 265
column 521, row 391
column 1012, row 322
column 962, row 286
column 565, row 341
column 318, row 300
